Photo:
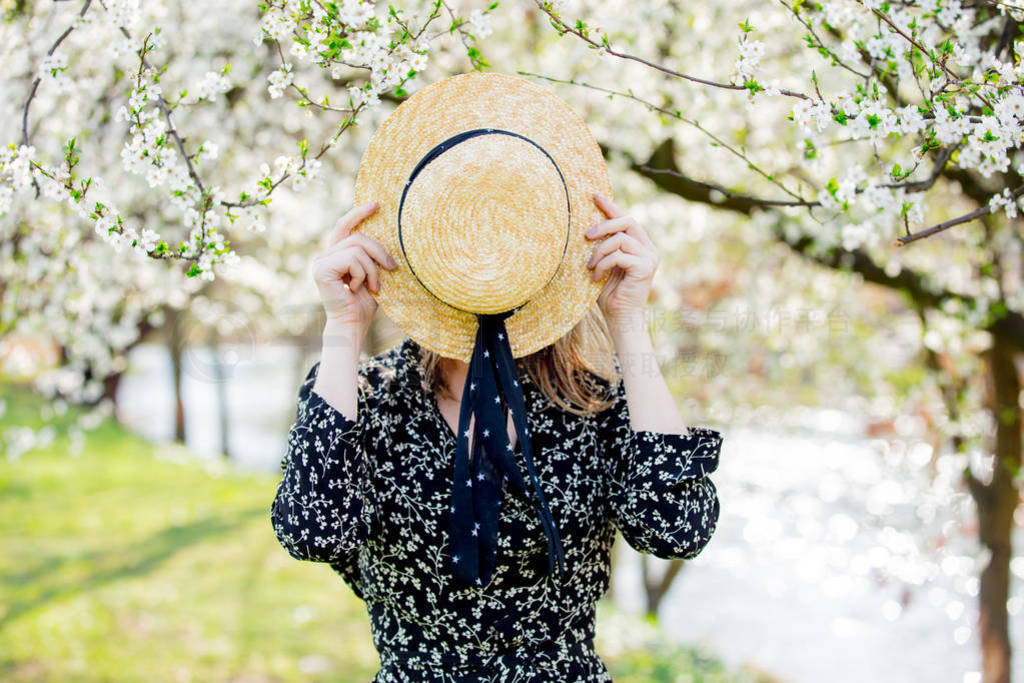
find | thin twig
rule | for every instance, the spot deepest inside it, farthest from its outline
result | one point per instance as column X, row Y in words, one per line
column 563, row 27
column 676, row 115
column 806, row 24
column 946, row 225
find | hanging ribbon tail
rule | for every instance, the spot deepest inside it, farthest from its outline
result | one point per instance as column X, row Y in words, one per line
column 465, row 556
column 509, row 379
column 478, row 476
column 486, row 505
column 476, row 485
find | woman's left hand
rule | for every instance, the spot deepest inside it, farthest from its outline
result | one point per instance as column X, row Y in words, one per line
column 630, row 256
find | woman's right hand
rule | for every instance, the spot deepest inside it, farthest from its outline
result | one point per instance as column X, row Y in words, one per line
column 347, row 268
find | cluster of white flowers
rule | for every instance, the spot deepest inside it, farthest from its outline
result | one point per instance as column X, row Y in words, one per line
column 279, row 80
column 481, row 23
column 149, row 152
column 310, row 172
column 58, row 61
column 1005, row 201
column 840, row 193
column 213, row 84
column 351, row 12
column 124, row 14
column 277, row 22
column 910, row 119
column 875, row 121
column 749, row 58
column 207, row 150
column 16, row 165
column 52, row 69
column 558, row 6
column 812, row 112
column 252, row 220
column 359, row 95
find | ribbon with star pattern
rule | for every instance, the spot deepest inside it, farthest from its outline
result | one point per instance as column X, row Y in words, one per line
column 478, row 476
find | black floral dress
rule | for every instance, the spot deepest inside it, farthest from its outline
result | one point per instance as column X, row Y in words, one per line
column 371, row 498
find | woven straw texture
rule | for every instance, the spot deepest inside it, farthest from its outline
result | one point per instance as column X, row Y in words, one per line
column 486, row 223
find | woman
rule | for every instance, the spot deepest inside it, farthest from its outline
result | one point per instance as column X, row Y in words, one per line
column 368, row 474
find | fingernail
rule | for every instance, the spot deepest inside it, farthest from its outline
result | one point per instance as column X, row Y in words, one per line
column 393, row 262
column 589, row 232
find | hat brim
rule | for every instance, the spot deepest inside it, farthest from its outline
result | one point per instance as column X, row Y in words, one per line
column 434, row 114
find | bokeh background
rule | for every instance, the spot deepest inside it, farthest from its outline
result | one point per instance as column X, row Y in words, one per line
column 869, row 394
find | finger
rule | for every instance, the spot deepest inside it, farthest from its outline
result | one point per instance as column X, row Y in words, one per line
column 607, row 206
column 370, row 245
column 619, row 240
column 357, row 274
column 371, row 270
column 627, row 262
column 376, row 250
column 334, row 263
column 351, row 219
column 617, row 224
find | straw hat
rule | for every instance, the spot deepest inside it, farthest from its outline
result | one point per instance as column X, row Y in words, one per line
column 486, row 184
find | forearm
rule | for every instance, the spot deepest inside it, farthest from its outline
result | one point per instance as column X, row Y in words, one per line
column 651, row 405
column 337, row 377
column 324, row 507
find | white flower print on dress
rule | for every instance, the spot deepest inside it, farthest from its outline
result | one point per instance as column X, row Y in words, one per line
column 371, row 498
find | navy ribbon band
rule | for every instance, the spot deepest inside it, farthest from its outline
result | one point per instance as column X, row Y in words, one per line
column 478, row 476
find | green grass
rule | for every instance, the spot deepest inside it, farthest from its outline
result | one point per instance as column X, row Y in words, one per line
column 134, row 562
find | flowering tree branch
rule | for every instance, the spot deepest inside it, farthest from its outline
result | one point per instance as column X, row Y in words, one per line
column 972, row 121
column 603, row 46
column 38, row 79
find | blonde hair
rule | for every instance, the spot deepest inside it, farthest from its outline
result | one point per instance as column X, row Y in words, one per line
column 571, row 372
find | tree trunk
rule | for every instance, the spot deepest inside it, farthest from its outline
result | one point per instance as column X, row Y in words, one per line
column 175, row 342
column 220, row 381
column 613, row 562
column 110, row 384
column 996, row 502
column 655, row 587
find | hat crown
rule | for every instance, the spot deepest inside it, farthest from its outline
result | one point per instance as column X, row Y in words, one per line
column 484, row 220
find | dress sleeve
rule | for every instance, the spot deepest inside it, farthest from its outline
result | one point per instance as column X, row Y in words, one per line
column 660, row 495
column 324, row 508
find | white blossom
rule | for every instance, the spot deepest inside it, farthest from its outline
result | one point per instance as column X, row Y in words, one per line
column 279, row 80
column 213, row 84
